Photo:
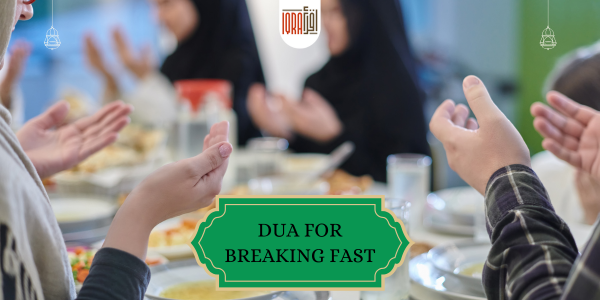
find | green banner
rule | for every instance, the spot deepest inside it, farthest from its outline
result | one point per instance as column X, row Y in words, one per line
column 300, row 243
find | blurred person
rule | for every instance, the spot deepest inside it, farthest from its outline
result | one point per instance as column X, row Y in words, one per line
column 215, row 41
column 10, row 94
column 33, row 256
column 533, row 253
column 577, row 76
column 366, row 93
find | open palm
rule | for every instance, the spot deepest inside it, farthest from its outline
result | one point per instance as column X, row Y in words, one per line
column 571, row 132
column 53, row 148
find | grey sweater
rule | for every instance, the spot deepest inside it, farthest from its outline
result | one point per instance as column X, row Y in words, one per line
column 33, row 256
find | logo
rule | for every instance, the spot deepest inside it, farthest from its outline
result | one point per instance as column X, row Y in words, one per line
column 300, row 22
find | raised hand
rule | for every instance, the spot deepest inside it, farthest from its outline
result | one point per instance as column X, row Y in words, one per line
column 266, row 112
column 476, row 149
column 172, row 190
column 571, row 131
column 313, row 117
column 138, row 64
column 53, row 147
column 96, row 61
column 20, row 52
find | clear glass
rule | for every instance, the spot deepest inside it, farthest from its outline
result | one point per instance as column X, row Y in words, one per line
column 408, row 177
column 397, row 286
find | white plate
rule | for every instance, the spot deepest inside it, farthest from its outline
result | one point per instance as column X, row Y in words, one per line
column 77, row 209
column 453, row 210
column 451, row 258
column 180, row 272
column 429, row 283
column 172, row 252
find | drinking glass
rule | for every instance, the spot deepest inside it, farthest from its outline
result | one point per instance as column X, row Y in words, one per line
column 397, row 286
column 408, row 177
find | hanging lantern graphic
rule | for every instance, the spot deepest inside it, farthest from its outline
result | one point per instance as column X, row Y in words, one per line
column 548, row 40
column 52, row 41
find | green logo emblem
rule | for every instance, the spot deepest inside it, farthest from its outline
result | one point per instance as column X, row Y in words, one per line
column 300, row 243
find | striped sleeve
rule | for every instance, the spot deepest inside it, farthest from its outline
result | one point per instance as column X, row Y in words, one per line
column 533, row 250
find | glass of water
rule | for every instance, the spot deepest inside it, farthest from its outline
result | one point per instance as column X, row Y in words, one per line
column 397, row 286
column 408, row 177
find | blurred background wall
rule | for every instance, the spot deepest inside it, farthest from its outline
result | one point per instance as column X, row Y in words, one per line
column 496, row 40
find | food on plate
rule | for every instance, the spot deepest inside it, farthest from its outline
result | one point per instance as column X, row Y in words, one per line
column 342, row 183
column 81, row 260
column 205, row 290
column 419, row 248
column 174, row 236
column 134, row 146
column 472, row 270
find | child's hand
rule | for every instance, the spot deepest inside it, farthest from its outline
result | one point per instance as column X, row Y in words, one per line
column 571, row 132
column 172, row 190
column 476, row 151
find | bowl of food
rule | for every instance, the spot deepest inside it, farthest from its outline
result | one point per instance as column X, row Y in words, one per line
column 170, row 238
column 186, row 280
column 462, row 260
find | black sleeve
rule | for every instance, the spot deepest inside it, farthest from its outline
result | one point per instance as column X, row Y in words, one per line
column 115, row 275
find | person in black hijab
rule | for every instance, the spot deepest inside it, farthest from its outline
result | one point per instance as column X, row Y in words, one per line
column 221, row 46
column 215, row 40
column 367, row 93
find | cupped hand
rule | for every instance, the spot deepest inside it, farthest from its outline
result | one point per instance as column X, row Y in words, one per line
column 313, row 117
column 571, row 131
column 53, row 147
column 266, row 112
column 172, row 190
column 477, row 149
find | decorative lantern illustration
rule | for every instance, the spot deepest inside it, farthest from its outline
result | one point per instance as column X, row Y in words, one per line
column 52, row 41
column 548, row 40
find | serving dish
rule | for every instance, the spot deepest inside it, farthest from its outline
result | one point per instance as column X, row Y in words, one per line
column 427, row 282
column 186, row 271
column 462, row 261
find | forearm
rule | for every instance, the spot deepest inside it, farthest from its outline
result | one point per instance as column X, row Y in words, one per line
column 130, row 230
column 6, row 97
column 533, row 250
column 115, row 275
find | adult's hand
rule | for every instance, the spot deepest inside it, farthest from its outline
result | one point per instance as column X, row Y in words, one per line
column 476, row 149
column 53, row 147
column 172, row 190
column 571, row 131
column 96, row 61
column 138, row 64
column 20, row 53
column 313, row 117
column 266, row 112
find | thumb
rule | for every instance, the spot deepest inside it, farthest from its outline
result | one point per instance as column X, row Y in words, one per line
column 53, row 117
column 479, row 100
column 211, row 159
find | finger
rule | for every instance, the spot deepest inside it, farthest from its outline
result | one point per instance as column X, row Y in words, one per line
column 103, row 118
column 569, row 156
column 441, row 122
column 86, row 122
column 218, row 133
column 53, row 117
column 570, row 108
column 567, row 125
column 480, row 101
column 472, row 124
column 210, row 159
column 460, row 116
column 95, row 145
column 115, row 126
column 548, row 130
